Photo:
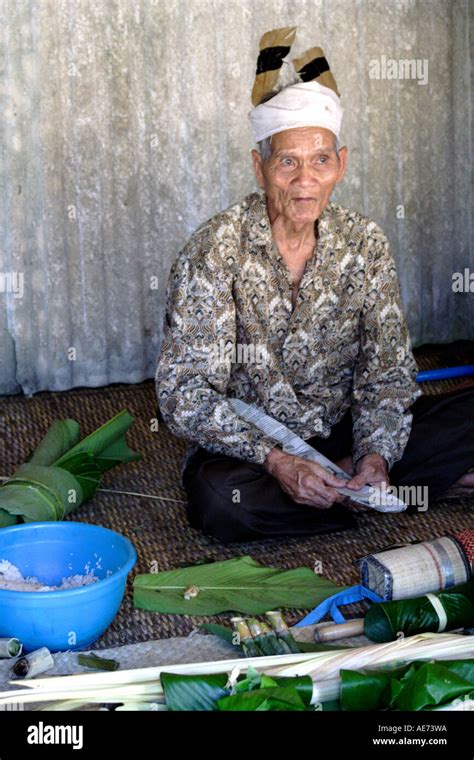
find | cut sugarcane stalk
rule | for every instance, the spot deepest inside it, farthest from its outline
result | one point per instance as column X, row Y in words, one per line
column 248, row 644
column 282, row 631
column 264, row 637
column 10, row 648
column 279, row 647
column 33, row 664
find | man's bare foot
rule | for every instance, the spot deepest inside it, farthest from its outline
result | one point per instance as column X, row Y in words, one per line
column 462, row 487
column 467, row 480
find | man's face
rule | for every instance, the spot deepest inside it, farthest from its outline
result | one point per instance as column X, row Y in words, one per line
column 301, row 173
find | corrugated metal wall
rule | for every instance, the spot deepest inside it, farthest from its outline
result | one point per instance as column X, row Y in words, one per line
column 124, row 126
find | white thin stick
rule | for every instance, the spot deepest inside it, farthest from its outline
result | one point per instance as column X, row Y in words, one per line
column 144, row 495
column 130, row 493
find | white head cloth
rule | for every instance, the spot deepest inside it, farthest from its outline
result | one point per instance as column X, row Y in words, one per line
column 305, row 104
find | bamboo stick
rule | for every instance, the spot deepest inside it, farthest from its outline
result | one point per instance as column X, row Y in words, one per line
column 337, row 631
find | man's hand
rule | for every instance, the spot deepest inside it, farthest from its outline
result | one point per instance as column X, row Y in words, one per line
column 305, row 481
column 369, row 470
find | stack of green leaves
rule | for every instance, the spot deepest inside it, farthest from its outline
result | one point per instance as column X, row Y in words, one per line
column 386, row 620
column 414, row 686
column 63, row 471
column 417, row 686
column 253, row 692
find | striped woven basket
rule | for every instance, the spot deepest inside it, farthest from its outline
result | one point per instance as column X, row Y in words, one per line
column 403, row 572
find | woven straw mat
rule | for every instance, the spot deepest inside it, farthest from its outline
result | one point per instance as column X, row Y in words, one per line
column 159, row 529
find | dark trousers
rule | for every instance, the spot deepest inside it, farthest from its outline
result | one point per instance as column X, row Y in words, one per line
column 235, row 500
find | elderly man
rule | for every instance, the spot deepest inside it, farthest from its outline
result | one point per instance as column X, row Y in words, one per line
column 309, row 289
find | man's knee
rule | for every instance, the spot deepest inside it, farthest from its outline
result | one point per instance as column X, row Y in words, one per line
column 217, row 491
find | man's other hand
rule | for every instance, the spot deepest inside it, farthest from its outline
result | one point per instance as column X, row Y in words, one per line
column 305, row 481
column 370, row 470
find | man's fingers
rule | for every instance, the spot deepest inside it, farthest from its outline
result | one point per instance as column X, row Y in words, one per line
column 367, row 478
column 328, row 494
column 332, row 480
column 308, row 483
column 317, row 495
column 325, row 475
column 357, row 482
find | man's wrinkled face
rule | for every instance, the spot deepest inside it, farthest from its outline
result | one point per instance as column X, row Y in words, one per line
column 301, row 173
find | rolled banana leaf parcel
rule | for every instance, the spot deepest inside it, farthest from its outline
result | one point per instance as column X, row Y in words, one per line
column 64, row 471
column 449, row 609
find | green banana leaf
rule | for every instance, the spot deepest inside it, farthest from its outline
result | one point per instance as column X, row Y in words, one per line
column 199, row 692
column 210, row 692
column 32, row 502
column 277, row 698
column 224, row 633
column 84, row 468
column 61, row 436
column 6, row 519
column 430, row 684
column 255, row 680
column 106, row 445
column 237, row 585
column 63, row 471
column 64, row 490
column 367, row 689
column 385, row 620
column 416, row 686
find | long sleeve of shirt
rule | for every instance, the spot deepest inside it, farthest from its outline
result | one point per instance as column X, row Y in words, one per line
column 193, row 372
column 384, row 384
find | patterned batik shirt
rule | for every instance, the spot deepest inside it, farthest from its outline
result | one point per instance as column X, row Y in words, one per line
column 230, row 330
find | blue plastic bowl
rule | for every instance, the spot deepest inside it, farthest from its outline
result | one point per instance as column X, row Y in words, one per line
column 73, row 618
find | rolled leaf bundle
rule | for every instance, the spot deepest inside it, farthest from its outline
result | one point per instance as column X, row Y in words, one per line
column 445, row 611
column 255, row 691
column 64, row 471
column 403, row 572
